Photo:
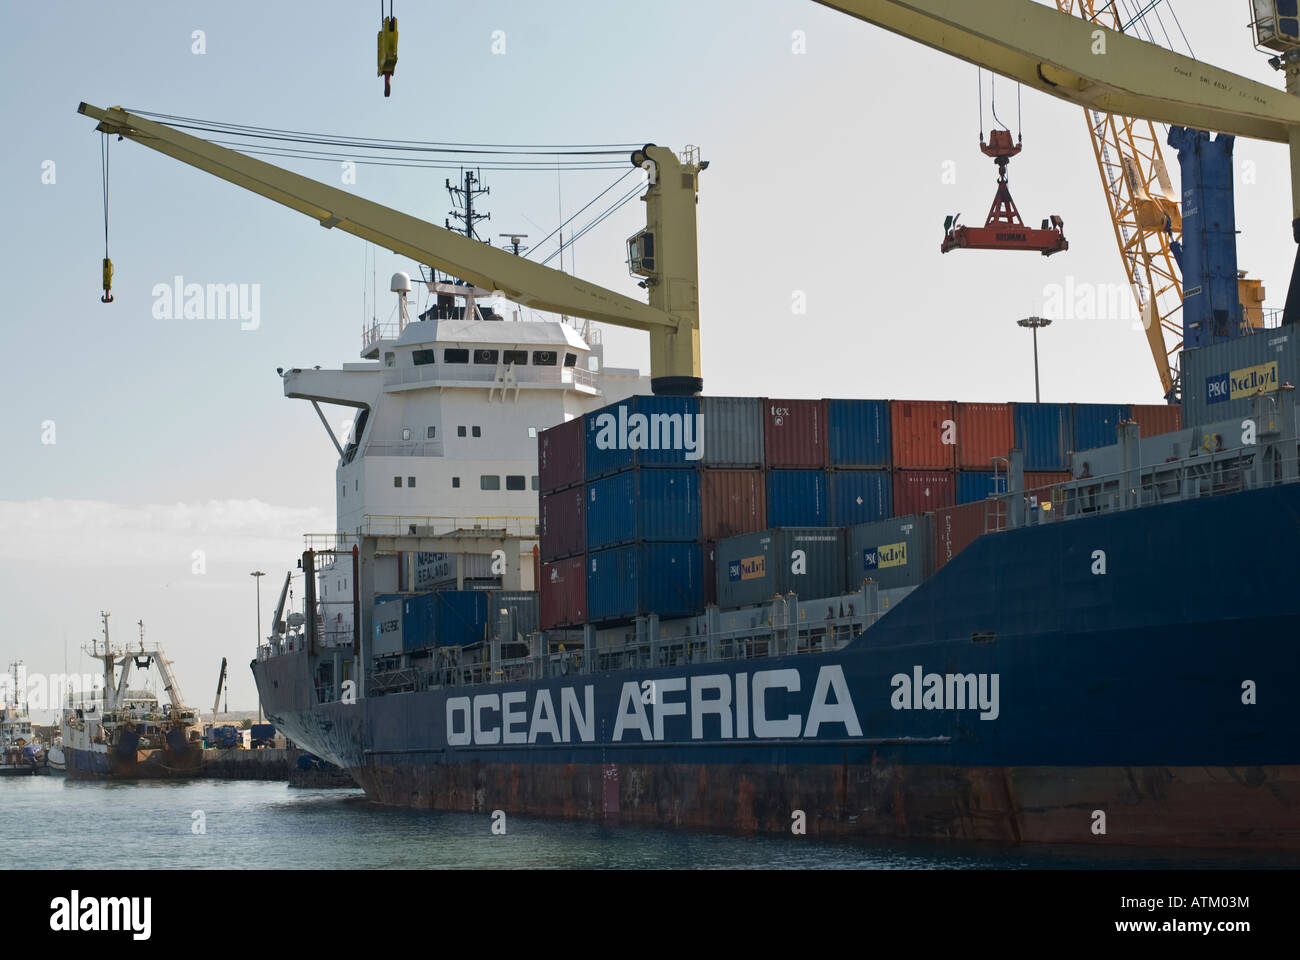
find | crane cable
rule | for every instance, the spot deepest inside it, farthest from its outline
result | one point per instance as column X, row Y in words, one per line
column 108, row 264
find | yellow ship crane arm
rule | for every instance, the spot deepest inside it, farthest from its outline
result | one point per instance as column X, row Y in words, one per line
column 671, row 268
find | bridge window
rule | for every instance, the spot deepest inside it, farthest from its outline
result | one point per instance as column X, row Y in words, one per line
column 410, row 481
column 486, row 356
column 422, row 358
column 406, row 433
column 532, row 433
column 516, row 483
column 460, row 431
column 535, row 485
column 544, row 358
column 455, row 483
column 489, row 482
column 477, row 431
column 455, row 356
column 515, row 356
column 397, row 481
column 570, row 359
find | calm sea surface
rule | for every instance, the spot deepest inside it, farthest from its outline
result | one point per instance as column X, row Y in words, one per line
column 52, row 822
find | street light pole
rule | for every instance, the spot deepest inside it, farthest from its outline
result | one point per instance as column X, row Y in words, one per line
column 1033, row 323
column 257, row 576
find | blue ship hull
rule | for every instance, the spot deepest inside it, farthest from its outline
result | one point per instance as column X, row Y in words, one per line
column 1129, row 678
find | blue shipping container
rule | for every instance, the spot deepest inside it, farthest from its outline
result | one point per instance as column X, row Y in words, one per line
column 1044, row 432
column 1095, row 423
column 644, row 431
column 797, row 498
column 860, row 496
column 459, row 617
column 976, row 485
column 643, row 505
column 645, row 578
column 859, row 433
column 417, row 622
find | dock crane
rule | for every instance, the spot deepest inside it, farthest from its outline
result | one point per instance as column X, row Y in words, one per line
column 664, row 253
column 1048, row 50
column 221, row 682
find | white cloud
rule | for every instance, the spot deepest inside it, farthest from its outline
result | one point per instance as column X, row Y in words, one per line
column 91, row 533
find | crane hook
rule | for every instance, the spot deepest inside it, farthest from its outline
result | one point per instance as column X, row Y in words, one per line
column 108, row 282
column 387, row 46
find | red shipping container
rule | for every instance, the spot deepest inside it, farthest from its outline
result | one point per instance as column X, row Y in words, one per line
column 794, row 433
column 732, row 502
column 956, row 528
column 1038, row 481
column 563, row 523
column 923, row 491
column 985, row 433
column 564, row 593
column 561, row 455
column 1156, row 418
column 924, row 434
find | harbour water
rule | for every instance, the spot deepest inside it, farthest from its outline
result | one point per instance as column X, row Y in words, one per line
column 55, row 823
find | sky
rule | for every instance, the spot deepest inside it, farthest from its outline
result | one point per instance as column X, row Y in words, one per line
column 151, row 464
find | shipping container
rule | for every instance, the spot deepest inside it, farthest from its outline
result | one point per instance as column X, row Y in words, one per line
column 563, row 523
column 1157, row 419
column 1220, row 380
column 460, row 617
column 644, row 432
column 976, row 485
column 956, row 528
column 754, row 568
column 388, row 629
column 797, row 498
column 564, row 593
column 643, row 505
column 438, row 571
column 923, row 491
column 923, row 434
column 894, row 553
column 794, row 433
column 986, row 432
column 1044, row 432
column 1095, row 424
column 417, row 623
column 859, row 433
column 561, row 454
column 1038, row 480
column 732, row 502
column 645, row 578
column 860, row 496
column 733, row 431
column 514, row 614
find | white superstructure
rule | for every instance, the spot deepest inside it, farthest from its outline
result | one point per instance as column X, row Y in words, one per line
column 449, row 407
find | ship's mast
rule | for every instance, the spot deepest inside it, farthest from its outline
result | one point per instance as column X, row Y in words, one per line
column 109, row 686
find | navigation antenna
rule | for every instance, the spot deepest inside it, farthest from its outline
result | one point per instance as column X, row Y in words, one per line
column 514, row 239
column 463, row 197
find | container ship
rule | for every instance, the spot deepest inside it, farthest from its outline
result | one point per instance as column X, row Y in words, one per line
column 886, row 619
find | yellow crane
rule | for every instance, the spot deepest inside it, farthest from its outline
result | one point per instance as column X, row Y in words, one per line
column 664, row 253
column 1107, row 72
column 1144, row 211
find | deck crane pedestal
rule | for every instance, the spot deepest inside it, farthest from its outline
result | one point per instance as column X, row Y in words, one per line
column 1004, row 230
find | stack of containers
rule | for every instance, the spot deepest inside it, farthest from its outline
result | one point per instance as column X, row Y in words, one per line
column 1045, row 432
column 859, row 457
column 1156, row 419
column 643, row 509
column 733, row 488
column 924, row 438
column 794, row 443
column 985, row 436
column 562, row 519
